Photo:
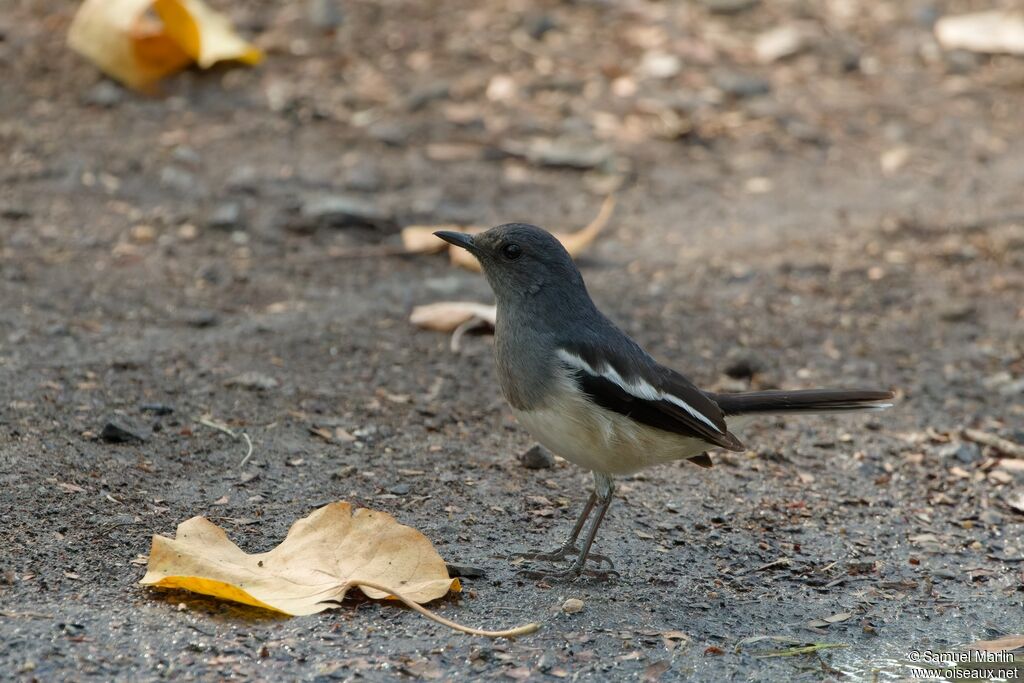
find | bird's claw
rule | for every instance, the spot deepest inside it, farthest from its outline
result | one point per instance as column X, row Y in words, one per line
column 561, row 554
column 575, row 572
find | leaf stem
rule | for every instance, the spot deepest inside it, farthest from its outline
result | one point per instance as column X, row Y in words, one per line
column 509, row 633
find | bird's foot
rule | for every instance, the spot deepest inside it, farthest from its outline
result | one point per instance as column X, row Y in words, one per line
column 562, row 553
column 573, row 572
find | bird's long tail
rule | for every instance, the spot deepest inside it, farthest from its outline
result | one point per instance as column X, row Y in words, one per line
column 805, row 401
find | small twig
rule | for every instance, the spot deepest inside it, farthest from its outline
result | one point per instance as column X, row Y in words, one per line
column 509, row 633
column 224, row 429
column 1004, row 446
column 781, row 562
column 220, row 427
column 803, row 650
column 248, row 453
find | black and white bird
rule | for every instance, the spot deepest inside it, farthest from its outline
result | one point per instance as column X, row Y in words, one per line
column 591, row 394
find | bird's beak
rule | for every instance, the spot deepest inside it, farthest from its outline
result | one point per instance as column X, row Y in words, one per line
column 458, row 239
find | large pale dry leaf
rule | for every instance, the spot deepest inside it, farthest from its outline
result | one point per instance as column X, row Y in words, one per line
column 574, row 242
column 1004, row 644
column 324, row 555
column 127, row 43
column 446, row 316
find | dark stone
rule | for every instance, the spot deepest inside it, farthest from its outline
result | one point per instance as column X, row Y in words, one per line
column 744, row 365
column 536, row 458
column 466, row 571
column 15, row 213
column 121, row 430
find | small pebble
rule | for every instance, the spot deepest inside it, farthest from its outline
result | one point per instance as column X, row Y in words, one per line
column 120, row 430
column 252, row 380
column 572, row 606
column 744, row 365
column 536, row 458
column 143, row 234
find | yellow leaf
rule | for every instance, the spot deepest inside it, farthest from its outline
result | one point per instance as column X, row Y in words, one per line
column 127, row 43
column 446, row 316
column 574, row 242
column 118, row 37
column 205, row 35
column 323, row 555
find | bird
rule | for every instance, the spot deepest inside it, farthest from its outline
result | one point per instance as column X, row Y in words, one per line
column 592, row 395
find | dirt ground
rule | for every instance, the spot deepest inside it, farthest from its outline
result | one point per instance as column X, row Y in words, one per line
column 849, row 215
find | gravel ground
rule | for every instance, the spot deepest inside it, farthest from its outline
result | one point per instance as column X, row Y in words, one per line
column 848, row 215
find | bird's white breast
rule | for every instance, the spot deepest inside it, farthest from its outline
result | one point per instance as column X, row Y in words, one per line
column 573, row 427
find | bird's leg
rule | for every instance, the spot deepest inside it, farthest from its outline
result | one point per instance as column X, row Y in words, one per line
column 604, row 490
column 569, row 547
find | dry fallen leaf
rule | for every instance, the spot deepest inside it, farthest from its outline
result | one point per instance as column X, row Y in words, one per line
column 126, row 42
column 1004, row 644
column 446, row 316
column 322, row 557
column 574, row 242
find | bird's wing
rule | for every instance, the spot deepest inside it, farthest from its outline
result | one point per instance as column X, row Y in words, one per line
column 624, row 379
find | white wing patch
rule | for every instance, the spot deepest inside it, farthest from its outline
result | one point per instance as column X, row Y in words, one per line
column 638, row 388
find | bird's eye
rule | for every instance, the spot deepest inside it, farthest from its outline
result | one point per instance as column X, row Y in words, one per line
column 511, row 251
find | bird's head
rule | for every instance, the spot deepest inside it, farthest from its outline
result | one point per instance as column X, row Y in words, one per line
column 521, row 261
